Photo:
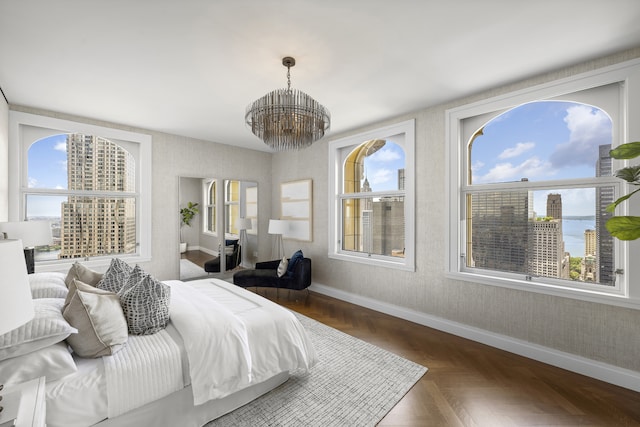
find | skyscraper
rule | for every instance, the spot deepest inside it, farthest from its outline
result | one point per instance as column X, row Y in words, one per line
column 604, row 197
column 101, row 224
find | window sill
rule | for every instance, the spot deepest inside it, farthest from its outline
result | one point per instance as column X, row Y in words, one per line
column 99, row 264
column 407, row 265
column 620, row 299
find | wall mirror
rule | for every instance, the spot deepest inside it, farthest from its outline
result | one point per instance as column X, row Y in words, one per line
column 226, row 223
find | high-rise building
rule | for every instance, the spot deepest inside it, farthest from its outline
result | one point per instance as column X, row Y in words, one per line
column 499, row 231
column 604, row 197
column 590, row 244
column 546, row 249
column 554, row 206
column 98, row 225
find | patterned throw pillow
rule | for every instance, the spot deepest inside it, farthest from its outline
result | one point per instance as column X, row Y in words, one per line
column 297, row 256
column 146, row 306
column 282, row 267
column 115, row 277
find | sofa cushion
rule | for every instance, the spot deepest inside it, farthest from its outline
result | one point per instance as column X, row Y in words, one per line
column 297, row 256
column 282, row 267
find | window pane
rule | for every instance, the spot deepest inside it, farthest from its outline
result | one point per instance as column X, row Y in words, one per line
column 376, row 165
column 547, row 233
column 80, row 162
column 86, row 226
column 538, row 141
column 374, row 225
column 211, row 214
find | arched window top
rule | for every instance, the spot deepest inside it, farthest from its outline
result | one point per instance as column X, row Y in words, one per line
column 77, row 161
column 540, row 141
column 373, row 166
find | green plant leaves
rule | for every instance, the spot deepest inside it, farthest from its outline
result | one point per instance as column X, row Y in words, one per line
column 630, row 174
column 624, row 227
column 626, row 151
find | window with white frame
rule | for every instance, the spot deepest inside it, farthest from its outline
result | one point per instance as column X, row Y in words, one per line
column 371, row 196
column 209, row 218
column 530, row 177
column 88, row 181
column 232, row 206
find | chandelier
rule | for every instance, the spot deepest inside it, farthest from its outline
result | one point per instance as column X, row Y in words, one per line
column 287, row 119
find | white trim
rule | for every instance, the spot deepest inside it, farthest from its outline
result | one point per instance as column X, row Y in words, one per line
column 408, row 263
column 601, row 371
column 17, row 168
column 629, row 74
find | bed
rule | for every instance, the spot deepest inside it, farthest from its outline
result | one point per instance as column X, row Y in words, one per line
column 222, row 347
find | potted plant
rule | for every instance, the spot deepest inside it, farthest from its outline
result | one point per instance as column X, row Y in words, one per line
column 186, row 216
column 625, row 227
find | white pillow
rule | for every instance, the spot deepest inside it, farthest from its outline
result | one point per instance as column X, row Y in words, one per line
column 102, row 328
column 282, row 267
column 52, row 362
column 47, row 285
column 46, row 328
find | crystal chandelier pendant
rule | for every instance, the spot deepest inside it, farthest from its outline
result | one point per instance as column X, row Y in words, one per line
column 287, row 119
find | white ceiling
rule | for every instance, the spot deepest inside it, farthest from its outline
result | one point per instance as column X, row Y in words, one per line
column 190, row 67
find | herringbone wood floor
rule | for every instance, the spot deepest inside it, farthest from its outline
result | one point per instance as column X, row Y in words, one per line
column 471, row 384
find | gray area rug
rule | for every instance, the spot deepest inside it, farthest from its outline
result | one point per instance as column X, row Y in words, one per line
column 354, row 384
column 190, row 271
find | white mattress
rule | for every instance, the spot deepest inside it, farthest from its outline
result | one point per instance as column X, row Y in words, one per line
column 277, row 344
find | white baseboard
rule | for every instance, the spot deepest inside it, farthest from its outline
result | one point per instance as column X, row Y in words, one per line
column 612, row 374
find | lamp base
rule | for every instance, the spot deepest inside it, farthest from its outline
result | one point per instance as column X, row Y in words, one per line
column 29, row 257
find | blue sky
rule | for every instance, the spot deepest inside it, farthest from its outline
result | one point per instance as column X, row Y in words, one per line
column 48, row 163
column 381, row 168
column 47, row 169
column 541, row 141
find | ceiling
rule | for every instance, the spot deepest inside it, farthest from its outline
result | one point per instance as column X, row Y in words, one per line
column 191, row 67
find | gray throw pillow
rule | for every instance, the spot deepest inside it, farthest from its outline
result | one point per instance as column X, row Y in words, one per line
column 146, row 306
column 115, row 277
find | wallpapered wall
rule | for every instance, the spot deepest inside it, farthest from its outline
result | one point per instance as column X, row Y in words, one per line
column 599, row 332
column 595, row 331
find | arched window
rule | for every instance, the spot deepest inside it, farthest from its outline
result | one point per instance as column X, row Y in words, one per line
column 530, row 177
column 541, row 230
column 210, row 206
column 373, row 203
column 87, row 183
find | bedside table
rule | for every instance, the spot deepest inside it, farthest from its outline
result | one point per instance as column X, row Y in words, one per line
column 31, row 409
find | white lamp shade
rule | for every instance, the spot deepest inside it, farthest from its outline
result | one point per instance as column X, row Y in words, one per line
column 32, row 233
column 278, row 226
column 244, row 224
column 16, row 305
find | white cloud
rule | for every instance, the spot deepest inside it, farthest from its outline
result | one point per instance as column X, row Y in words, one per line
column 477, row 165
column 521, row 147
column 506, row 172
column 32, row 182
column 61, row 146
column 59, row 187
column 382, row 176
column 588, row 128
column 385, row 155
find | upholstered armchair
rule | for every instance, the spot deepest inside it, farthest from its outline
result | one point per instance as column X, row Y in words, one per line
column 266, row 275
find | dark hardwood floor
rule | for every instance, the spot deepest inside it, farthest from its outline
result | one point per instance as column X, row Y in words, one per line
column 471, row 384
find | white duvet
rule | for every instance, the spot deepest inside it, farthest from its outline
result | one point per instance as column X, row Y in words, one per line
column 233, row 337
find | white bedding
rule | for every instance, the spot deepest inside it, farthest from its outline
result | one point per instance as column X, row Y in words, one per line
column 262, row 338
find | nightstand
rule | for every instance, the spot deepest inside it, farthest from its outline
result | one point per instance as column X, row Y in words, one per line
column 30, row 401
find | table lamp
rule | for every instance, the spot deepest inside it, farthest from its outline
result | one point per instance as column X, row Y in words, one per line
column 16, row 305
column 32, row 234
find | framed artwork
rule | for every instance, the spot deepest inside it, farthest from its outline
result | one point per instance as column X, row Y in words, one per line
column 296, row 198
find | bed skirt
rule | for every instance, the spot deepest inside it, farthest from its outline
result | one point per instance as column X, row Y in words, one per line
column 177, row 409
